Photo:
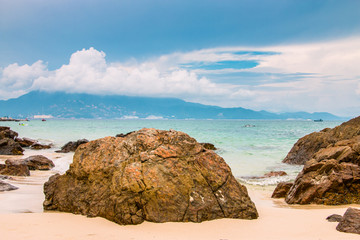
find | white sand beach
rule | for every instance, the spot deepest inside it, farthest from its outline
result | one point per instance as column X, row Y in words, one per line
column 21, row 217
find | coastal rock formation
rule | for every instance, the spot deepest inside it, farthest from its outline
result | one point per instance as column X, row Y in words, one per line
column 14, row 169
column 36, row 162
column 274, row 174
column 332, row 175
column 307, row 146
column 8, row 146
column 350, row 222
column 149, row 175
column 281, row 190
column 6, row 186
column 72, row 146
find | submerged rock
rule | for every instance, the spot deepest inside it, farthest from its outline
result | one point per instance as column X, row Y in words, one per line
column 39, row 146
column 350, row 222
column 149, row 175
column 72, row 146
column 6, row 186
column 36, row 162
column 307, row 146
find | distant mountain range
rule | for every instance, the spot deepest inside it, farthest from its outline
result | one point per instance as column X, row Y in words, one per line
column 71, row 105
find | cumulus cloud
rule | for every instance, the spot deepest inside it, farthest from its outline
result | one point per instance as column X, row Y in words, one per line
column 308, row 77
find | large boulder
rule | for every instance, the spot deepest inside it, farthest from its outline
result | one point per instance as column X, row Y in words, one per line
column 307, row 146
column 151, row 175
column 350, row 222
column 36, row 162
column 72, row 146
column 9, row 147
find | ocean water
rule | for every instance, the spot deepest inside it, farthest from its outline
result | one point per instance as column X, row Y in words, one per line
column 250, row 147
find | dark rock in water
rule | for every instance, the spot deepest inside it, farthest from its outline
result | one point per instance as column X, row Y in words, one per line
column 275, row 174
column 123, row 135
column 25, row 142
column 36, row 162
column 334, row 218
column 38, row 146
column 9, row 147
column 149, row 175
column 326, row 182
column 209, row 146
column 307, row 146
column 14, row 169
column 6, row 186
column 3, row 128
column 281, row 189
column 72, row 146
column 350, row 222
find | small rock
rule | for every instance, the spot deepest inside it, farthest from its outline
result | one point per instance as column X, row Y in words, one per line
column 14, row 169
column 209, row 146
column 25, row 142
column 6, row 186
column 38, row 146
column 334, row 218
column 123, row 135
column 72, row 146
column 275, row 174
column 350, row 222
column 281, row 190
column 36, row 162
column 9, row 147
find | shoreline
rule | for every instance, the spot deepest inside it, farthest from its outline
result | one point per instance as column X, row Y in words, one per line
column 22, row 217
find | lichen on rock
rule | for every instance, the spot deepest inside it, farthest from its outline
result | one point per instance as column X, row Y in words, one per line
column 149, row 175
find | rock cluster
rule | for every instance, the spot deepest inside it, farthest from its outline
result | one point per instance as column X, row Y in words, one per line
column 151, row 175
column 72, row 146
column 332, row 173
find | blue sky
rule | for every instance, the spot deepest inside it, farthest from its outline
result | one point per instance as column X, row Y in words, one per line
column 276, row 55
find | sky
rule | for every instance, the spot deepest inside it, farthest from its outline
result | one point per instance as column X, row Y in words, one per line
column 274, row 55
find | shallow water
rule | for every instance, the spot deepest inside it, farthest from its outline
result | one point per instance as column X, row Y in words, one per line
column 250, row 147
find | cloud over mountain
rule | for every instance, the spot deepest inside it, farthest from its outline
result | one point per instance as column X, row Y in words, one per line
column 308, row 77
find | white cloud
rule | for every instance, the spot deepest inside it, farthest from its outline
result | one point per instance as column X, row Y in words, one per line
column 328, row 77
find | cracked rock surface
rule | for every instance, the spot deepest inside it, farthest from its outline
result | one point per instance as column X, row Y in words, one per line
column 149, row 175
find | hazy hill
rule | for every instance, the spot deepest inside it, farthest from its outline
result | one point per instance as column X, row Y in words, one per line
column 66, row 105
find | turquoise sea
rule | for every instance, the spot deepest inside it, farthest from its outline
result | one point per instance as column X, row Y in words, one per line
column 250, row 147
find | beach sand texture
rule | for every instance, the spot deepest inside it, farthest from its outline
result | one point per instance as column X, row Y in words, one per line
column 21, row 217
